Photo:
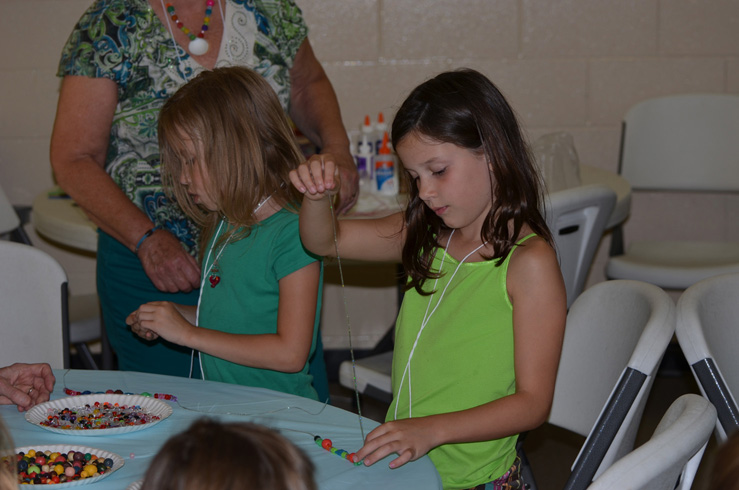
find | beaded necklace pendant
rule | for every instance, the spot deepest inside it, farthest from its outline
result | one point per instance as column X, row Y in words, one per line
column 198, row 45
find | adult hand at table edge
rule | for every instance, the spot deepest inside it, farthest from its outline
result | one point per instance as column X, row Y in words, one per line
column 167, row 264
column 26, row 385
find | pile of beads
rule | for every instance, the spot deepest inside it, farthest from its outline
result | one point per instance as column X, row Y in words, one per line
column 328, row 446
column 97, row 416
column 160, row 396
column 46, row 467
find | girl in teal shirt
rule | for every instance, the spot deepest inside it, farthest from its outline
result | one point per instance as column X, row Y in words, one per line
column 227, row 149
column 479, row 333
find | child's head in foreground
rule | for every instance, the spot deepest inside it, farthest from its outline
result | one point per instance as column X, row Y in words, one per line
column 229, row 456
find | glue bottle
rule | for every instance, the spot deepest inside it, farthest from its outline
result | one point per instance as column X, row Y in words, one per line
column 385, row 169
column 380, row 129
column 368, row 130
column 364, row 159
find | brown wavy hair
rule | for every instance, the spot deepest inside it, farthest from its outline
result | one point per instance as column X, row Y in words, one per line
column 248, row 148
column 229, row 456
column 466, row 109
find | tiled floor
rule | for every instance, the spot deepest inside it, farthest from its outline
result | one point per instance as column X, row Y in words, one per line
column 552, row 450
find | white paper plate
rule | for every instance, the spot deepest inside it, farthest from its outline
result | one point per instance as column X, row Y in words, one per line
column 135, row 485
column 65, row 448
column 153, row 406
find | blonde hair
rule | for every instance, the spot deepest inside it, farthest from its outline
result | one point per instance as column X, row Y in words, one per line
column 8, row 475
column 231, row 456
column 246, row 144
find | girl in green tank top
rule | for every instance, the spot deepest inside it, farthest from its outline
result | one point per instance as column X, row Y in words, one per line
column 479, row 333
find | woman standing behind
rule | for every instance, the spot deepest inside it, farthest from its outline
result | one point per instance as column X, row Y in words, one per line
column 123, row 60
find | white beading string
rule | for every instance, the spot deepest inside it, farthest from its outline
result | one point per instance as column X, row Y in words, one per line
column 426, row 317
column 204, row 275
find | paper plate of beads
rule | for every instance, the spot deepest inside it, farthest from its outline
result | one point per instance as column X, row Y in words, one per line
column 64, row 465
column 99, row 414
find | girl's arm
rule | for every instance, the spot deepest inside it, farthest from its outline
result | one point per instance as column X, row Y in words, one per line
column 360, row 239
column 538, row 295
column 286, row 351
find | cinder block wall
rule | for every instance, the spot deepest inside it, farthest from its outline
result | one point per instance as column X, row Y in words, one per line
column 565, row 65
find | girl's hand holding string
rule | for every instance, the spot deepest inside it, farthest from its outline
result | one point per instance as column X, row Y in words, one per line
column 409, row 438
column 317, row 177
column 160, row 319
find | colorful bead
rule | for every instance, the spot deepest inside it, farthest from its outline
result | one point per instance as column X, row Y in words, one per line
column 67, row 467
column 327, row 445
column 201, row 46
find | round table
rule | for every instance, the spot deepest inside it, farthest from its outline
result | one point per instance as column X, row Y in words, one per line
column 297, row 418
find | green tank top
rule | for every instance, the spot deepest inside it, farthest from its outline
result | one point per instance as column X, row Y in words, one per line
column 463, row 359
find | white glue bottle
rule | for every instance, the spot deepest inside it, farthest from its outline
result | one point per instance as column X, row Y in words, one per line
column 385, row 169
column 368, row 130
column 364, row 159
column 380, row 129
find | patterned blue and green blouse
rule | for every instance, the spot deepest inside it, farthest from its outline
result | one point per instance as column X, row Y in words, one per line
column 125, row 41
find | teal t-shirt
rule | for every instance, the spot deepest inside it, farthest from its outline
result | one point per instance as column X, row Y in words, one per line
column 463, row 359
column 246, row 299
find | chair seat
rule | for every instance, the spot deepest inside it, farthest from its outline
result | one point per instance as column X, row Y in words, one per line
column 674, row 265
column 374, row 371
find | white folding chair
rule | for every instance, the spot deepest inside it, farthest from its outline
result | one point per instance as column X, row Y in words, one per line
column 707, row 315
column 577, row 218
column 679, row 143
column 670, row 458
column 616, row 335
column 85, row 323
column 33, row 302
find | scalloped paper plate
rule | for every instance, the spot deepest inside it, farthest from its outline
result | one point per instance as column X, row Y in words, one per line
column 153, row 406
column 135, row 485
column 65, row 448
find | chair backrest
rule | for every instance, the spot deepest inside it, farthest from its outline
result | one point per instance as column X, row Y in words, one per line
column 707, row 321
column 9, row 220
column 577, row 218
column 672, row 454
column 616, row 335
column 682, row 142
column 33, row 307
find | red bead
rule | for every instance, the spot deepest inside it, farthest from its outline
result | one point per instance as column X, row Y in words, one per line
column 353, row 457
column 326, row 444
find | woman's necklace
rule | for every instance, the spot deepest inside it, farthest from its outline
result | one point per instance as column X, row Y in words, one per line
column 426, row 317
column 198, row 45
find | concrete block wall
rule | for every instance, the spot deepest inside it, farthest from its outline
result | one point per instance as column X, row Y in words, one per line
column 565, row 65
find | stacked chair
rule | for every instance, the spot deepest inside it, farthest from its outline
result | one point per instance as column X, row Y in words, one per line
column 616, row 335
column 670, row 459
column 708, row 333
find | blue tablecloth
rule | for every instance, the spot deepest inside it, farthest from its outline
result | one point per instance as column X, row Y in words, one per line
column 296, row 418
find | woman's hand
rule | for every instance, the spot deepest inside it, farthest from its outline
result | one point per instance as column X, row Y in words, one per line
column 167, row 264
column 25, row 385
column 160, row 319
column 409, row 438
column 317, row 177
